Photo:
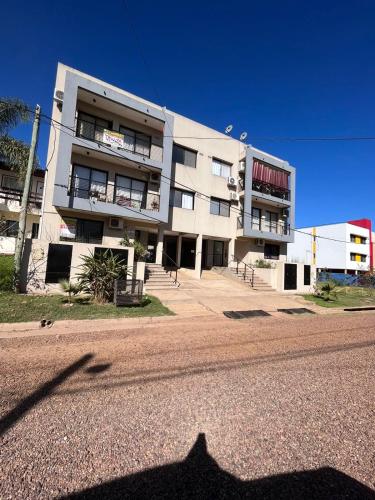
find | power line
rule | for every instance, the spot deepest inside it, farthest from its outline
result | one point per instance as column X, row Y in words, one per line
column 206, row 197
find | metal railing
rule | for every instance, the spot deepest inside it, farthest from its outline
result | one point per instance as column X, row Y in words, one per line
column 271, row 190
column 173, row 269
column 15, row 195
column 270, row 226
column 248, row 270
column 137, row 142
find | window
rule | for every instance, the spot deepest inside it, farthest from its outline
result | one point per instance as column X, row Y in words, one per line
column 82, row 231
column 221, row 168
column 116, row 252
column 219, row 207
column 9, row 228
column 130, row 192
column 58, row 262
column 87, row 182
column 91, row 127
column 271, row 251
column 271, row 222
column 255, row 218
column 357, row 257
column 307, row 275
column 185, row 156
column 11, row 183
column 181, row 199
column 136, row 142
column 358, row 239
column 34, row 230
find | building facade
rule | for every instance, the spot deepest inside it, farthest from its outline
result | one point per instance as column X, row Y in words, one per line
column 11, row 190
column 341, row 248
column 122, row 166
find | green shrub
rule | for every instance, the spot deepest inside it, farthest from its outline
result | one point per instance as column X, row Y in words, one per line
column 263, row 264
column 140, row 251
column 99, row 273
column 6, row 273
column 326, row 290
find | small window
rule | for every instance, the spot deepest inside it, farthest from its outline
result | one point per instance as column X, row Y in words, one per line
column 181, row 199
column 35, row 230
column 357, row 257
column 185, row 156
column 221, row 168
column 271, row 251
column 307, row 275
column 82, row 231
column 255, row 218
column 9, row 228
column 359, row 240
column 11, row 183
column 219, row 207
column 130, row 192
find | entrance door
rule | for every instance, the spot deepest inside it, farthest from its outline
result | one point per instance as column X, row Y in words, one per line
column 290, row 277
column 151, row 247
column 218, row 253
column 204, row 254
column 170, row 251
column 188, row 253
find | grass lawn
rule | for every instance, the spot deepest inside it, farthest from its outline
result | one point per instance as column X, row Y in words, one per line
column 16, row 308
column 347, row 297
column 6, row 272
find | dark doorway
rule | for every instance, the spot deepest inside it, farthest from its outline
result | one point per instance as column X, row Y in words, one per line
column 290, row 277
column 170, row 251
column 152, row 242
column 58, row 262
column 307, row 275
column 218, row 253
column 204, row 254
column 188, row 253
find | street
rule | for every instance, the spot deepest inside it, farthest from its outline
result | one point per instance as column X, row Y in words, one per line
column 199, row 408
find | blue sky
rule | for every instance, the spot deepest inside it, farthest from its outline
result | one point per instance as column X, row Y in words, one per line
column 275, row 69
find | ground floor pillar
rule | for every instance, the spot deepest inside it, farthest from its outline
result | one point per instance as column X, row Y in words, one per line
column 178, row 253
column 159, row 246
column 198, row 256
column 231, row 251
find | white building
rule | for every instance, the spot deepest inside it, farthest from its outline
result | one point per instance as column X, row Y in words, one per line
column 344, row 247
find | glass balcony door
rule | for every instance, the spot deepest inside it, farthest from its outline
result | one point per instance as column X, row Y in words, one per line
column 130, row 192
column 88, row 182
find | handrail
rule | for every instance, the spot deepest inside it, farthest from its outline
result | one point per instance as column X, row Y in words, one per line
column 175, row 280
column 251, row 270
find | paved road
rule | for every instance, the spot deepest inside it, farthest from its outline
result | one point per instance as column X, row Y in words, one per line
column 259, row 408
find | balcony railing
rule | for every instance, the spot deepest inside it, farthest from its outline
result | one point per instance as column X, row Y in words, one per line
column 135, row 142
column 271, row 190
column 281, row 228
column 99, row 191
column 10, row 196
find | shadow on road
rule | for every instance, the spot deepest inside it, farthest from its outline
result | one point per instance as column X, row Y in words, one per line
column 46, row 390
column 200, row 477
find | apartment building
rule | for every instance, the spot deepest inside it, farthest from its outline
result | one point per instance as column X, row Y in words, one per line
column 341, row 248
column 11, row 190
column 193, row 196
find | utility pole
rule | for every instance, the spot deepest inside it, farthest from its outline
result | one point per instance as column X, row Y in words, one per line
column 25, row 198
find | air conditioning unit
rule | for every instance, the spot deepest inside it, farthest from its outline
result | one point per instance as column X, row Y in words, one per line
column 155, row 177
column 232, row 182
column 234, row 196
column 58, row 96
column 241, row 166
column 115, row 223
column 259, row 242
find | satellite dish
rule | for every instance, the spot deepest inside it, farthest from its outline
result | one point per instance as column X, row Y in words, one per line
column 243, row 136
column 229, row 129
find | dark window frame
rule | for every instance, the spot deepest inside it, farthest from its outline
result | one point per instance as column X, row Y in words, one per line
column 11, row 228
column 62, row 274
column 184, row 149
column 270, row 255
column 96, row 126
column 182, row 191
column 220, row 202
column 307, row 275
column 34, row 230
column 136, row 132
column 362, row 238
column 223, row 162
column 144, row 193
column 73, row 189
column 85, row 240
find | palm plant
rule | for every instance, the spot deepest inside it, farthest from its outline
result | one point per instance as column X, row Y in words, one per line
column 13, row 152
column 70, row 288
column 98, row 274
column 327, row 291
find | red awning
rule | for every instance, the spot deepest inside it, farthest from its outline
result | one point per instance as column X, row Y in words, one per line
column 269, row 175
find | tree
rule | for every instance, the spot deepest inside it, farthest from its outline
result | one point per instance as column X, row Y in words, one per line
column 14, row 152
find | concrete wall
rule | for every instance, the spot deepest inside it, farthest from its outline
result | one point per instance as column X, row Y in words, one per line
column 275, row 278
column 34, row 264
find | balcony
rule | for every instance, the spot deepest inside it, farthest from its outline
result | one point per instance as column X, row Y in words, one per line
column 93, row 185
column 12, row 199
column 270, row 190
column 100, row 131
column 279, row 228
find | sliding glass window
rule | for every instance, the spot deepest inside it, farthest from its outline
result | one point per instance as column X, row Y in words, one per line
column 130, row 192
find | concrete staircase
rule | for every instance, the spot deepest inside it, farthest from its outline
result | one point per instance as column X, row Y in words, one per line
column 259, row 284
column 158, row 278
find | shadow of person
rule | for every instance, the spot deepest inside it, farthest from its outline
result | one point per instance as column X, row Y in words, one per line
column 200, row 477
